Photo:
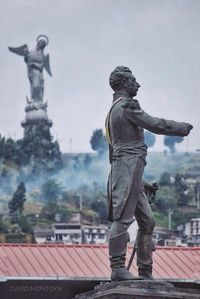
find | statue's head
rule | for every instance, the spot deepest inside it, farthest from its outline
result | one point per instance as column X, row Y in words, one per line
column 122, row 79
column 42, row 41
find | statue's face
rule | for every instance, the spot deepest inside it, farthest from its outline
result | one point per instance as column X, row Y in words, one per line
column 131, row 85
column 41, row 44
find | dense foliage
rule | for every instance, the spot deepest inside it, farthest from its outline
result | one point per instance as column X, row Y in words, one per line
column 36, row 150
column 16, row 204
column 170, row 141
column 98, row 142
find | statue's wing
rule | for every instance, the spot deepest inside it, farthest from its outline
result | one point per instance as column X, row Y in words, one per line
column 47, row 64
column 23, row 50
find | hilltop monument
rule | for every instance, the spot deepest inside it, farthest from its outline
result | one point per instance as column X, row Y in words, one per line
column 36, row 61
column 37, row 142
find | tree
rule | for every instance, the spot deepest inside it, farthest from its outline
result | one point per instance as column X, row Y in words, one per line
column 16, row 204
column 149, row 138
column 20, row 159
column 165, row 179
column 22, row 221
column 50, row 209
column 98, row 142
column 64, row 214
column 3, row 227
column 170, row 141
column 38, row 146
column 99, row 202
column 2, row 143
column 165, row 201
column 99, row 206
column 180, row 189
column 51, row 190
column 6, row 182
column 9, row 150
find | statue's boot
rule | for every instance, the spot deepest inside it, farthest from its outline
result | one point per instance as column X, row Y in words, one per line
column 117, row 254
column 145, row 247
column 122, row 274
column 145, row 274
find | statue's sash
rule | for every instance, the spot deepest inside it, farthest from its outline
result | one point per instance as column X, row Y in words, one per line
column 107, row 122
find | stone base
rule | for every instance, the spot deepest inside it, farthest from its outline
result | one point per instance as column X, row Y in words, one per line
column 36, row 113
column 147, row 289
column 34, row 122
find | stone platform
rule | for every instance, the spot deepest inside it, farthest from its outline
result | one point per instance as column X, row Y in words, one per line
column 139, row 289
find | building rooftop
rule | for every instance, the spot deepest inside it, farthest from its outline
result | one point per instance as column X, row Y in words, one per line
column 90, row 261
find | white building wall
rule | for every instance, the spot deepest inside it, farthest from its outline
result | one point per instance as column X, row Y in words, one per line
column 187, row 229
column 132, row 230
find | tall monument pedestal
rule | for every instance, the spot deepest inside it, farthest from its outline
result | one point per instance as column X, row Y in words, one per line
column 140, row 289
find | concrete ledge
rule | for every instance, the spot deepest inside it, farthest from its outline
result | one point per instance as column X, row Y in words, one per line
column 149, row 289
column 68, row 287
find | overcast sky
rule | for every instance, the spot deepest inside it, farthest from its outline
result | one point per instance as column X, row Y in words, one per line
column 158, row 39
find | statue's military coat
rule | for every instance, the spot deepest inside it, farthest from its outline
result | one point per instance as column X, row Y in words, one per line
column 124, row 124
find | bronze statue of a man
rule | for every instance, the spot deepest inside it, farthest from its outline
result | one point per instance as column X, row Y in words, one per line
column 126, row 198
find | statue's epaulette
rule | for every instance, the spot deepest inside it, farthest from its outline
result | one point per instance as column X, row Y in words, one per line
column 131, row 104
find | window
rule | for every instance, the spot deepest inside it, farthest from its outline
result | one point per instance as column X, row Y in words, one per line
column 59, row 237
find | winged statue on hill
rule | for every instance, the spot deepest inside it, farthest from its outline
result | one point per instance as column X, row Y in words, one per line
column 36, row 61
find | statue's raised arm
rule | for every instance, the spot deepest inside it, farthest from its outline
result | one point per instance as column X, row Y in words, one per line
column 36, row 61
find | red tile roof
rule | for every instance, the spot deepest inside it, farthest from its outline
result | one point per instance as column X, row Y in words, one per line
column 91, row 261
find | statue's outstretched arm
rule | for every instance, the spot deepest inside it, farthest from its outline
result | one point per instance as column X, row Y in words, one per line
column 154, row 124
column 22, row 50
column 47, row 65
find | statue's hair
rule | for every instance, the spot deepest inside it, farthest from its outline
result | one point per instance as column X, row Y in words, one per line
column 119, row 74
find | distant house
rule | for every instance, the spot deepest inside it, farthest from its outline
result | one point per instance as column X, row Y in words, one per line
column 67, row 233
column 72, row 233
column 190, row 232
column 160, row 234
column 192, row 180
column 77, row 233
column 43, row 236
column 95, row 234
